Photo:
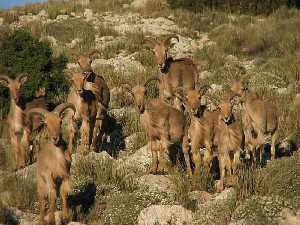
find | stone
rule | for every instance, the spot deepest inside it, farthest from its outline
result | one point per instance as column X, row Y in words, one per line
column 88, row 14
column 141, row 158
column 43, row 13
column 141, row 4
column 157, row 183
column 164, row 215
column 1, row 21
column 200, row 197
column 73, row 43
column 289, row 217
column 205, row 75
column 62, row 17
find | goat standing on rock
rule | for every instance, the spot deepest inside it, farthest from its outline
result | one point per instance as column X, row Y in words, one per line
column 164, row 125
column 53, row 164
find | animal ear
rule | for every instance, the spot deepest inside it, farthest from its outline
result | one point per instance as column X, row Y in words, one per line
column 4, row 80
column 62, row 107
column 22, row 78
column 150, row 40
column 167, row 42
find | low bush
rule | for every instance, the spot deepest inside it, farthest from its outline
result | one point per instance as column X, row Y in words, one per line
column 22, row 53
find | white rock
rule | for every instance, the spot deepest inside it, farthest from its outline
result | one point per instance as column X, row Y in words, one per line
column 288, row 217
column 205, row 74
column 164, row 215
column 83, row 2
column 157, row 183
column 88, row 14
column 141, row 158
column 62, row 17
column 140, row 4
column 73, row 43
column 43, row 13
column 1, row 21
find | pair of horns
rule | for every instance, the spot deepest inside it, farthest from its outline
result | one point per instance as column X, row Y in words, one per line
column 166, row 42
column 18, row 78
column 58, row 110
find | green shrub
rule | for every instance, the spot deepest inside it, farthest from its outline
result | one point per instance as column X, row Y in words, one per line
column 22, row 53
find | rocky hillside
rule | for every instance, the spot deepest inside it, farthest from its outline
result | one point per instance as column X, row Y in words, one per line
column 113, row 187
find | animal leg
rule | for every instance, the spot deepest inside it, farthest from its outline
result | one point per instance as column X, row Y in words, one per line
column 14, row 150
column 273, row 150
column 65, row 189
column 222, row 166
column 42, row 202
column 235, row 164
column 153, row 167
column 162, row 161
column 97, row 128
column 207, row 159
column 23, row 148
column 84, row 133
column 196, row 157
column 52, row 203
column 185, row 148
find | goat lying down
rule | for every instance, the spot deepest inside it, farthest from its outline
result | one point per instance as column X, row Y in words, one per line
column 163, row 124
column 53, row 164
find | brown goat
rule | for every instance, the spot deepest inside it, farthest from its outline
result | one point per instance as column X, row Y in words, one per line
column 174, row 73
column 83, row 96
column 103, row 96
column 53, row 172
column 201, row 131
column 260, row 119
column 163, row 124
column 18, row 133
column 230, row 142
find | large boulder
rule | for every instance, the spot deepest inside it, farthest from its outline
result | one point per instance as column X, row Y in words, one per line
column 156, row 183
column 164, row 215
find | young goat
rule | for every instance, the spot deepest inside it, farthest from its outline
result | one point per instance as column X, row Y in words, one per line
column 103, row 96
column 83, row 95
column 52, row 165
column 260, row 120
column 164, row 125
column 201, row 131
column 19, row 135
column 175, row 73
column 230, row 142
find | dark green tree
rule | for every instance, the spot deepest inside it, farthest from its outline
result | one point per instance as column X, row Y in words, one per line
column 20, row 52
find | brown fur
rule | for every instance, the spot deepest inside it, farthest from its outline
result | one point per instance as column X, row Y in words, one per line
column 174, row 73
column 82, row 95
column 230, row 141
column 103, row 96
column 18, row 133
column 260, row 119
column 164, row 125
column 53, row 173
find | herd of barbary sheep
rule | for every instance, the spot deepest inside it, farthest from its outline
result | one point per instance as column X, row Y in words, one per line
column 165, row 123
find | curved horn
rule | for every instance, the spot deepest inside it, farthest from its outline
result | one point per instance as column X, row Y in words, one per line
column 4, row 78
column 151, row 40
column 127, row 87
column 168, row 39
column 62, row 107
column 204, row 89
column 93, row 52
column 151, row 79
column 89, row 86
column 22, row 77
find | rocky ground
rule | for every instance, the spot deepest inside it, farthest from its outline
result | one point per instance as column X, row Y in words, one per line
column 113, row 186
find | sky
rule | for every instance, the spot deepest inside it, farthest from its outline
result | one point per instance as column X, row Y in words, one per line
column 4, row 4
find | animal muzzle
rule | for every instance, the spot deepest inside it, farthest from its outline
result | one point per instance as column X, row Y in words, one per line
column 161, row 66
column 141, row 108
column 87, row 73
column 55, row 140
